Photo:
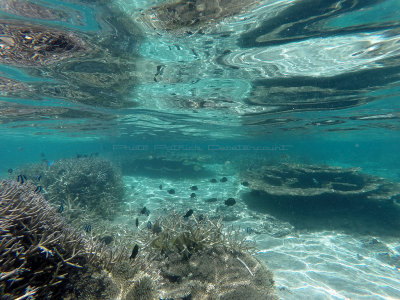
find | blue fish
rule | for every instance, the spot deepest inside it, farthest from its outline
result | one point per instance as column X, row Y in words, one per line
column 61, row 208
column 87, row 228
column 38, row 177
column 149, row 225
column 50, row 163
column 38, row 189
column 10, row 171
column 249, row 230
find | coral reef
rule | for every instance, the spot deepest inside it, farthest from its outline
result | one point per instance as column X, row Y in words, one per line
column 195, row 258
column 29, row 45
column 41, row 257
column 312, row 180
column 190, row 15
column 77, row 184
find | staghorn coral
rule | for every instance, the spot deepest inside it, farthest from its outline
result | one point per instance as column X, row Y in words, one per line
column 143, row 289
column 198, row 259
column 86, row 185
column 40, row 255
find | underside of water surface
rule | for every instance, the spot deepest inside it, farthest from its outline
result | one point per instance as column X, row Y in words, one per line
column 199, row 149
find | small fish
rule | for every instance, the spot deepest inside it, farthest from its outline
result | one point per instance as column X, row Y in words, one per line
column 145, row 211
column 249, row 230
column 148, row 225
column 107, row 239
column 230, row 202
column 49, row 163
column 160, row 186
column 61, row 208
column 223, row 179
column 135, row 252
column 21, row 179
column 194, row 188
column 171, row 191
column 137, row 222
column 213, row 180
column 38, row 177
column 245, row 183
column 193, row 195
column 10, row 171
column 38, row 189
column 42, row 154
column 156, row 228
column 188, row 214
column 212, row 200
column 87, row 228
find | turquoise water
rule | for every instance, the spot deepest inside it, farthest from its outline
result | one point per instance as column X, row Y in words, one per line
column 175, row 93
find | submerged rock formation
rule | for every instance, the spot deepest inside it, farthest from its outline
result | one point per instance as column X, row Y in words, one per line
column 299, row 180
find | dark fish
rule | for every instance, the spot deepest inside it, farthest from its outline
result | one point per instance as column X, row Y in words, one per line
column 200, row 218
column 212, row 200
column 156, row 227
column 145, row 211
column 160, row 186
column 38, row 189
column 42, row 154
column 78, row 155
column 87, row 228
column 38, row 177
column 213, row 180
column 189, row 213
column 230, row 202
column 223, row 179
column 245, row 183
column 148, row 225
column 61, row 208
column 194, row 188
column 187, row 297
column 193, row 195
column 107, row 239
column 21, row 179
column 171, row 191
column 249, row 230
column 137, row 222
column 10, row 171
column 135, row 252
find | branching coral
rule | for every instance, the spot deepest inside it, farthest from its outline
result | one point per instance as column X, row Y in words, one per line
column 185, row 236
column 38, row 251
column 78, row 184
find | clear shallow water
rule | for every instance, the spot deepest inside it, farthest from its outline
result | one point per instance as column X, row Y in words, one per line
column 313, row 82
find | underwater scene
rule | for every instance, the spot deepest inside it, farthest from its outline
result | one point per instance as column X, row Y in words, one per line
column 199, row 149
